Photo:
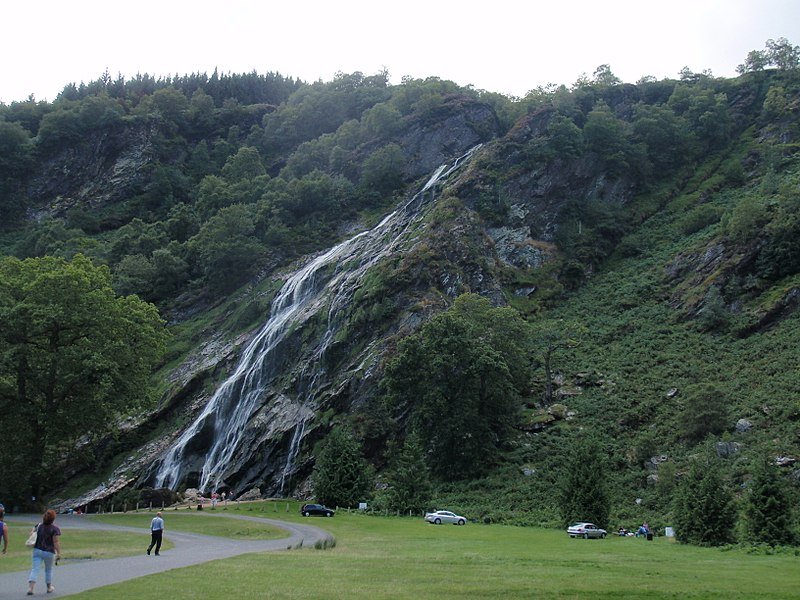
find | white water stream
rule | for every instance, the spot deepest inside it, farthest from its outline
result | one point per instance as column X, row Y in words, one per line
column 326, row 281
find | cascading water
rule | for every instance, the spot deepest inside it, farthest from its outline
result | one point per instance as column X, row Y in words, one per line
column 217, row 433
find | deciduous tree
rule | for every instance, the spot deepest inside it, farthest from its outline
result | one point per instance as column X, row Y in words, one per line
column 461, row 378
column 73, row 357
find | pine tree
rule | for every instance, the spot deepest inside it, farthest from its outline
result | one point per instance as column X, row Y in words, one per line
column 583, row 495
column 409, row 479
column 704, row 512
column 342, row 477
column 769, row 508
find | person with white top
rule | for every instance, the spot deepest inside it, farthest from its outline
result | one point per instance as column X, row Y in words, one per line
column 156, row 533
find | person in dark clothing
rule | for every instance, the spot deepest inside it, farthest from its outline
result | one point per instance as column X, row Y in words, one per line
column 3, row 529
column 156, row 533
column 46, row 550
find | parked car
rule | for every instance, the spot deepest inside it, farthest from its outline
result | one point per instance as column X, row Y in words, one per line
column 316, row 510
column 586, row 531
column 445, row 516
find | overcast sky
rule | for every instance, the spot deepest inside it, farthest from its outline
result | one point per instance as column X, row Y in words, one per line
column 507, row 46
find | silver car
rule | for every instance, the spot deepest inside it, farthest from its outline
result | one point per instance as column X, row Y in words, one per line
column 444, row 516
column 586, row 531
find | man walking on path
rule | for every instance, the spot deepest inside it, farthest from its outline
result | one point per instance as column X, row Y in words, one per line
column 156, row 533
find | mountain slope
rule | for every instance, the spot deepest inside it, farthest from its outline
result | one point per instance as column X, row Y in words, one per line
column 660, row 218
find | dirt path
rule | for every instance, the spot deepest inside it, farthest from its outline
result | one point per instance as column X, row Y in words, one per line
column 189, row 549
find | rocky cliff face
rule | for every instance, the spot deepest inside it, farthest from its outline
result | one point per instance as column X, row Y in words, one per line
column 331, row 363
column 107, row 166
column 331, row 356
column 447, row 249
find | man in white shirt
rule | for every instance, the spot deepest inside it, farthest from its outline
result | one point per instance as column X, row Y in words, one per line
column 156, row 532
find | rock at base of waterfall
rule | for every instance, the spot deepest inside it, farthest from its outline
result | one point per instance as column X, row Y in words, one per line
column 251, row 494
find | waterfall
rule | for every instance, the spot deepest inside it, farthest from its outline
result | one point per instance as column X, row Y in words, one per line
column 294, row 450
column 324, row 281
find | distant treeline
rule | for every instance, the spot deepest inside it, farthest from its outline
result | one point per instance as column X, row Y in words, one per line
column 247, row 88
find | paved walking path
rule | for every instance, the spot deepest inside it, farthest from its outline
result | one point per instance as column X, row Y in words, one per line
column 189, row 549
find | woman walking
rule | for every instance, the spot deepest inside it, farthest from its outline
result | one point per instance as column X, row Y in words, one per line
column 47, row 550
column 3, row 529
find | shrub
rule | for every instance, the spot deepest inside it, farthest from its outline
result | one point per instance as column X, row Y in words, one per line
column 705, row 412
column 699, row 218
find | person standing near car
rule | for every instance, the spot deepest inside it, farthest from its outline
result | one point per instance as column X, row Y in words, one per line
column 47, row 550
column 156, row 533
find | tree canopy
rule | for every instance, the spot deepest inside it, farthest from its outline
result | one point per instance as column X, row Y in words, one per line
column 461, row 377
column 582, row 488
column 769, row 509
column 704, row 512
column 342, row 477
column 74, row 358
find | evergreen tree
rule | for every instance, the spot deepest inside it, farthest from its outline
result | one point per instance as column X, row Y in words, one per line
column 342, row 477
column 409, row 479
column 704, row 512
column 583, row 495
column 769, row 508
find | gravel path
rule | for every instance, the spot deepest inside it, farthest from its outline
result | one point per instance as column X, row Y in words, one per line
column 189, row 549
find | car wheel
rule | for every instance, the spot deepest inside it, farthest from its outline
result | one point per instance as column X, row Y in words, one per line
column 437, row 521
column 306, row 513
column 602, row 536
column 461, row 521
column 328, row 514
column 586, row 536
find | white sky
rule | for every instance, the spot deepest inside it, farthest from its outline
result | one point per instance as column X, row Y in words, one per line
column 507, row 46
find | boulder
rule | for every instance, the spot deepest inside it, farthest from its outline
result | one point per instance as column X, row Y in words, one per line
column 653, row 462
column 251, row 494
column 726, row 449
column 743, row 425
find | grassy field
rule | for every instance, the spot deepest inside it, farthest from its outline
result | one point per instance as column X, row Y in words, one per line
column 390, row 557
column 77, row 545
column 85, row 545
column 210, row 525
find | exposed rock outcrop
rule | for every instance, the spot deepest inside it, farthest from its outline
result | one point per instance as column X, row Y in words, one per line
column 107, row 166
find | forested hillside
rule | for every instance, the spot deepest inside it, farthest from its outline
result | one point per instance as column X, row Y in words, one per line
column 614, row 267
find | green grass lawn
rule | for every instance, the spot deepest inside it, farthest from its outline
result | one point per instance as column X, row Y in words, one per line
column 390, row 557
column 83, row 545
column 210, row 523
column 76, row 545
